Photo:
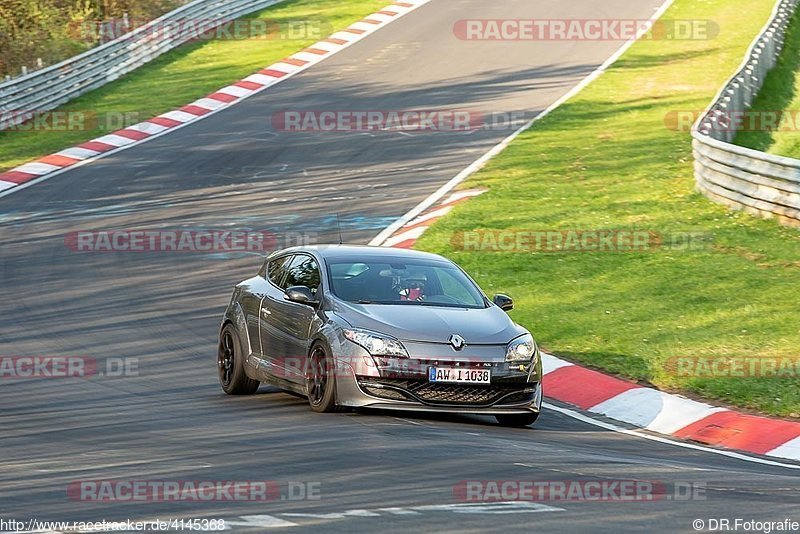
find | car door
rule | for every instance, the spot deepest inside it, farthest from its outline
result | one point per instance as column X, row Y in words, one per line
column 294, row 321
column 252, row 293
column 271, row 338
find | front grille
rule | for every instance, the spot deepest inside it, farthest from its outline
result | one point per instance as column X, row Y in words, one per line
column 438, row 393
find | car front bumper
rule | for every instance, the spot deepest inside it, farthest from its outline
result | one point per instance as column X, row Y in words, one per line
column 402, row 384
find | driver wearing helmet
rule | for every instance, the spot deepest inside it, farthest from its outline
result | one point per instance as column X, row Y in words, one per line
column 412, row 288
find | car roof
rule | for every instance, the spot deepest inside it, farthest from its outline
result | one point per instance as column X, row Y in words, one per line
column 344, row 252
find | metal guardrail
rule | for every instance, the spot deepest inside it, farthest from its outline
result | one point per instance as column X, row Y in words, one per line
column 52, row 86
column 746, row 179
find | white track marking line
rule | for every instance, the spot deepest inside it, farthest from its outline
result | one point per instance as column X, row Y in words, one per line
column 458, row 195
column 480, row 162
column 440, row 212
column 659, row 439
column 360, row 512
column 416, row 423
column 261, row 521
column 500, row 507
column 414, row 233
column 398, row 511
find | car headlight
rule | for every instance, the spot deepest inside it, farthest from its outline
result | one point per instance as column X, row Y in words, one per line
column 376, row 344
column 522, row 349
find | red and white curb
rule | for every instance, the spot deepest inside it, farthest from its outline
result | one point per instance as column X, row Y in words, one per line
column 407, row 235
column 624, row 401
column 669, row 414
column 48, row 166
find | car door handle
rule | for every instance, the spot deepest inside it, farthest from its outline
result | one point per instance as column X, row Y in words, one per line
column 265, row 312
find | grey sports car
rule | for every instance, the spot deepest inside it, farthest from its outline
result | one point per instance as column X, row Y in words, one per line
column 373, row 327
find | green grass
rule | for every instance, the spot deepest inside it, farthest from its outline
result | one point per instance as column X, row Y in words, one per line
column 781, row 92
column 185, row 74
column 606, row 160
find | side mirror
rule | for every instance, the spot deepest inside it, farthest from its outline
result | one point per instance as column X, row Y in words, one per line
column 300, row 295
column 504, row 302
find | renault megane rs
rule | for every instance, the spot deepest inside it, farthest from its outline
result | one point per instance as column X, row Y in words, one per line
column 374, row 327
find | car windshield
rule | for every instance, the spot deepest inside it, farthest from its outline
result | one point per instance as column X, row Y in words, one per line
column 407, row 282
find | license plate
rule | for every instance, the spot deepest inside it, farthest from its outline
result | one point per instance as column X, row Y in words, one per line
column 456, row 375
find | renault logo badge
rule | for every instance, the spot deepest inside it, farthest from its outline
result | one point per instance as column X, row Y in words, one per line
column 457, row 342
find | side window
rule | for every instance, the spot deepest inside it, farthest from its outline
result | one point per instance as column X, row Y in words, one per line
column 277, row 268
column 303, row 271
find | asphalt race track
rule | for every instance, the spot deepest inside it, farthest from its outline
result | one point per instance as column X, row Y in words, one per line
column 375, row 472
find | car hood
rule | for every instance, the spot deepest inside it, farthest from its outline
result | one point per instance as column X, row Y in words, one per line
column 432, row 324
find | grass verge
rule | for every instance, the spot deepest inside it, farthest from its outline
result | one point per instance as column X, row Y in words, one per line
column 606, row 160
column 781, row 92
column 187, row 73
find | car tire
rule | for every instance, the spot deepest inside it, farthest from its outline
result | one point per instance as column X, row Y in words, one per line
column 321, row 380
column 517, row 420
column 230, row 364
